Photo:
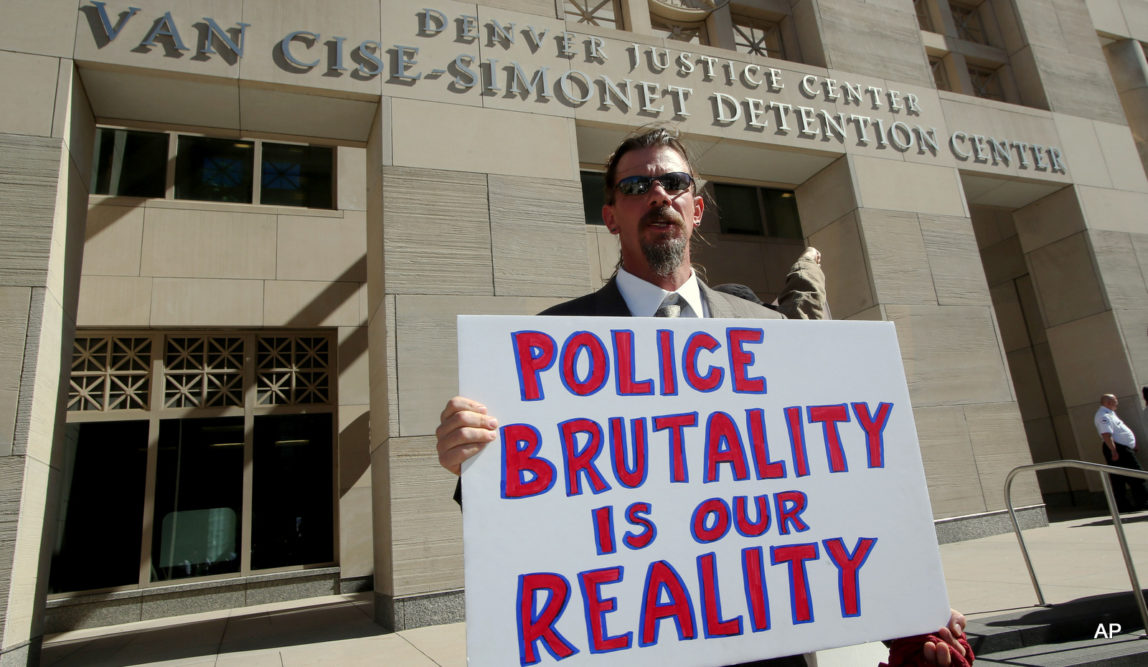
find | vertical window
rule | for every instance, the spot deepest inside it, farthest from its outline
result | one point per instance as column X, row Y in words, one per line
column 198, row 498
column 968, row 21
column 757, row 211
column 940, row 74
column 296, row 175
column 923, row 18
column 986, row 83
column 593, row 196
column 214, row 169
column 102, row 502
column 292, row 514
column 757, row 37
column 603, row 13
column 129, row 163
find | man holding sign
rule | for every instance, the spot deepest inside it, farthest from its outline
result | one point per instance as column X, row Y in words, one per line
column 653, row 207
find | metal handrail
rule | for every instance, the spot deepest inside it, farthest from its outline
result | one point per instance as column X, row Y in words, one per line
column 1094, row 467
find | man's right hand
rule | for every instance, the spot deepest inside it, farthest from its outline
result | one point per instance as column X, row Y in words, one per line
column 464, row 429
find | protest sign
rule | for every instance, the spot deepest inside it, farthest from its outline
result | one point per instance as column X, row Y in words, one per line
column 691, row 491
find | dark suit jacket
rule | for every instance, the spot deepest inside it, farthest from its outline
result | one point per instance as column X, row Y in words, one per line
column 608, row 302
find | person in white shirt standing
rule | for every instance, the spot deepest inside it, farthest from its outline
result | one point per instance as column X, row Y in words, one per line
column 1120, row 450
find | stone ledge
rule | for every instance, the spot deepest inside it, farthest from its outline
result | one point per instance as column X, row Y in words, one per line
column 975, row 526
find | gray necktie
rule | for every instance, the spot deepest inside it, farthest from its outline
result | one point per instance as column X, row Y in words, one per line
column 671, row 306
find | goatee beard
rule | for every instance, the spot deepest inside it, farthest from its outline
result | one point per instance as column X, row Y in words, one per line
column 665, row 254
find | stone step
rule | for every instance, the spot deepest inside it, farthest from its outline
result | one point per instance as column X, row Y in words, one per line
column 1069, row 633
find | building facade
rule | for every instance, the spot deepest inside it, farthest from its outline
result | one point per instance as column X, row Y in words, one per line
column 236, row 236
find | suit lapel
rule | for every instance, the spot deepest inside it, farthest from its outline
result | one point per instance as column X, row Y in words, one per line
column 718, row 306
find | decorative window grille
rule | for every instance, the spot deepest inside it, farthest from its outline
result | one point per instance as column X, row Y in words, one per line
column 203, row 371
column 593, row 12
column 693, row 33
column 293, row 370
column 923, row 18
column 758, row 37
column 110, row 373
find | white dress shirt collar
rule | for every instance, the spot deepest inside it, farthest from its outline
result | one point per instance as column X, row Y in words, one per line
column 643, row 298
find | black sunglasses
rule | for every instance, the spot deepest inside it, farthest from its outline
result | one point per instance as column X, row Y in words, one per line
column 673, row 182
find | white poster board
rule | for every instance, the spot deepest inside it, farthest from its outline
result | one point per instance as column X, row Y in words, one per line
column 618, row 517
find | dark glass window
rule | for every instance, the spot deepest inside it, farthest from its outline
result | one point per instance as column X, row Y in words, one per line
column 739, row 211
column 297, row 175
column 98, row 541
column 291, row 514
column 198, row 498
column 128, row 163
column 214, row 169
column 593, row 196
column 744, row 209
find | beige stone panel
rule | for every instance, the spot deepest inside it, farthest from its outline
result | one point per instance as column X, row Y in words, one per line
column 114, row 235
column 72, row 119
column 208, row 244
column 127, row 49
column 593, row 259
column 1003, row 261
column 777, row 258
column 1123, row 277
column 356, row 533
column 538, row 7
column 826, row 197
column 955, row 263
column 1010, row 317
column 14, row 313
column 897, row 257
column 20, row 622
column 29, row 112
column 1120, row 153
column 1133, row 322
column 351, row 172
column 846, row 34
column 742, row 161
column 929, row 120
column 1027, row 383
column 1115, row 210
column 356, row 21
column 1049, row 219
column 1029, row 303
column 189, row 302
column 354, row 366
column 1090, row 359
column 30, row 184
column 313, row 248
column 991, row 225
column 1003, row 122
column 851, row 289
column 1137, row 16
column 44, row 27
column 437, row 51
column 950, row 467
column 296, row 303
column 1042, row 443
column 426, row 522
column 170, row 99
column 427, row 350
column 609, row 252
column 999, row 445
column 382, row 377
column 951, row 354
column 537, row 232
column 114, row 301
column 729, row 260
column 307, row 114
column 1107, row 17
column 531, row 59
column 440, row 136
column 1048, row 376
column 1082, row 150
column 1079, row 86
column 436, row 229
column 1066, row 281
column 903, row 186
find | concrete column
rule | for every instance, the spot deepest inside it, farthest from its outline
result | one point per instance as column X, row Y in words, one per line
column 898, row 245
column 1130, row 74
column 44, row 169
column 1087, row 251
column 838, row 34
